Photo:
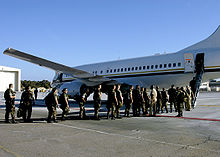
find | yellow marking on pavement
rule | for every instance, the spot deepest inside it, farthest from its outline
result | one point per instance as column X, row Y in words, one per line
column 7, row 150
column 210, row 105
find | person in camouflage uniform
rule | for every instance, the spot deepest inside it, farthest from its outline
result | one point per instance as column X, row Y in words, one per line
column 164, row 100
column 119, row 99
column 97, row 101
column 189, row 98
column 137, row 100
column 147, row 100
column 83, row 98
column 172, row 98
column 9, row 96
column 51, row 101
column 128, row 100
column 159, row 100
column 180, row 101
column 112, row 103
column 64, row 103
column 142, row 104
column 27, row 100
column 153, row 99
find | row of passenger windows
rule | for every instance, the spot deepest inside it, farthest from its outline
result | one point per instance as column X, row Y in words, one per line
column 141, row 68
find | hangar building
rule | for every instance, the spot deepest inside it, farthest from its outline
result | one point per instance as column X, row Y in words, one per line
column 10, row 75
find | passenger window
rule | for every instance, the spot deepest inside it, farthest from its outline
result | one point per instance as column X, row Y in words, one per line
column 125, row 69
column 101, row 72
column 165, row 65
column 118, row 70
column 152, row 66
column 129, row 69
column 121, row 69
column 139, row 68
column 148, row 67
column 179, row 64
column 95, row 72
column 115, row 70
column 111, row 71
column 161, row 65
column 136, row 68
column 132, row 68
column 107, row 71
column 156, row 66
column 144, row 67
column 174, row 64
column 169, row 65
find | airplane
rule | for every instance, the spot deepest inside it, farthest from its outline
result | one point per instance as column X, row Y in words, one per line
column 200, row 62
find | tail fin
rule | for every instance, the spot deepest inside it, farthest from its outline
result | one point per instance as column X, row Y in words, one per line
column 212, row 42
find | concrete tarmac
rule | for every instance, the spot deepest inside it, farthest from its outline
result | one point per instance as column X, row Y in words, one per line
column 197, row 134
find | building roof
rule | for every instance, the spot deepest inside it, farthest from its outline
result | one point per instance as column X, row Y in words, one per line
column 4, row 68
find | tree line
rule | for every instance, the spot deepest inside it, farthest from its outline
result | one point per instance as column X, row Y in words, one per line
column 35, row 84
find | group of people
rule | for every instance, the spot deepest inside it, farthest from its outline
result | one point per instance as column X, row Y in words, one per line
column 142, row 102
column 25, row 107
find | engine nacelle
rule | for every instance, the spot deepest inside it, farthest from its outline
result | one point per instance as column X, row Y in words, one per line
column 73, row 87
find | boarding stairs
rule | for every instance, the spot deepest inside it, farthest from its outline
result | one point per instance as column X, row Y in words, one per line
column 199, row 76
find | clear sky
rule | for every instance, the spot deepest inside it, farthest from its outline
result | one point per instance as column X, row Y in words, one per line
column 76, row 32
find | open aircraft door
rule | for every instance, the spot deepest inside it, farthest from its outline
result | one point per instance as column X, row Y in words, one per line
column 189, row 62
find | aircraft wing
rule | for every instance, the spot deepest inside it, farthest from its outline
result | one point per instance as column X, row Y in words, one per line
column 54, row 66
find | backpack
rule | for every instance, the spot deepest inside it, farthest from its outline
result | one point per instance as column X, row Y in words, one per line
column 47, row 99
column 181, row 96
column 77, row 97
column 6, row 94
column 27, row 97
column 61, row 99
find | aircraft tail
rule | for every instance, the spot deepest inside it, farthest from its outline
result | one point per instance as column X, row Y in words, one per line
column 212, row 42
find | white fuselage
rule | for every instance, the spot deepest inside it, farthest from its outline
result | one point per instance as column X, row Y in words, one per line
column 144, row 71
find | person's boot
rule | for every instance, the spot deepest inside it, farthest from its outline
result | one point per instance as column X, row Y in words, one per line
column 48, row 120
column 108, row 115
column 7, row 121
column 97, row 118
column 13, row 121
column 55, row 121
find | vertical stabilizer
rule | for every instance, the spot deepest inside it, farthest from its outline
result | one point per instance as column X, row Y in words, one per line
column 212, row 42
